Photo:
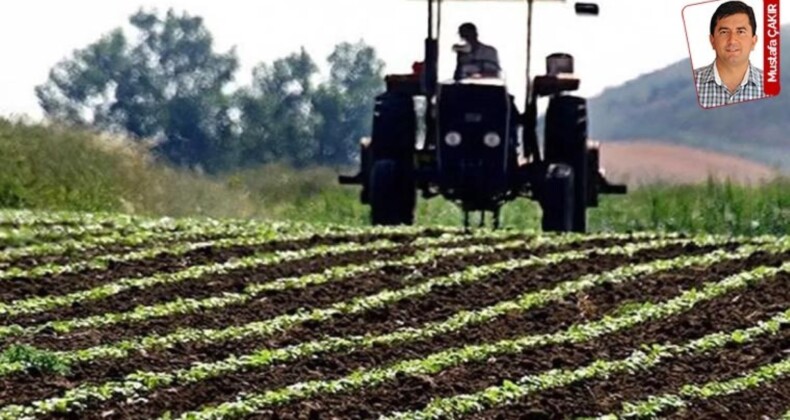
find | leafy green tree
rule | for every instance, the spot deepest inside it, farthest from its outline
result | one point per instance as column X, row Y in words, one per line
column 277, row 118
column 167, row 85
column 285, row 116
column 345, row 102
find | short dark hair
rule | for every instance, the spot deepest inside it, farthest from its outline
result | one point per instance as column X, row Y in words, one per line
column 731, row 8
column 468, row 28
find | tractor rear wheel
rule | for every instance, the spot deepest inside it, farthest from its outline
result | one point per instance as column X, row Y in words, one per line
column 392, row 193
column 566, row 142
column 557, row 199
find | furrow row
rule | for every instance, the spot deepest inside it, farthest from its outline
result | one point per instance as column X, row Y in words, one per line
column 331, row 357
column 175, row 305
column 435, row 363
column 512, row 391
column 639, row 361
column 691, row 394
column 47, row 303
column 153, row 379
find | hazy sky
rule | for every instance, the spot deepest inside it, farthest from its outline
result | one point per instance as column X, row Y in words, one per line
column 629, row 38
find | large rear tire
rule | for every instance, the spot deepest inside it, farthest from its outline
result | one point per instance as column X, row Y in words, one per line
column 557, row 199
column 566, row 142
column 392, row 194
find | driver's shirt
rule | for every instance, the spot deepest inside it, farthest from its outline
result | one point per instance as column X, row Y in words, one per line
column 482, row 59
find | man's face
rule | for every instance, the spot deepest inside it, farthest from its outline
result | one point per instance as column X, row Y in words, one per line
column 733, row 40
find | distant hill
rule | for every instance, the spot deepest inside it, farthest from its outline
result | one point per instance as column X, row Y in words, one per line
column 644, row 162
column 662, row 106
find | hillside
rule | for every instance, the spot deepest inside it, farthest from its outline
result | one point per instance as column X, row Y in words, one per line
column 663, row 106
column 644, row 162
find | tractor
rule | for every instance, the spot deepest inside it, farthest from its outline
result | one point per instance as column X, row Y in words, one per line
column 465, row 140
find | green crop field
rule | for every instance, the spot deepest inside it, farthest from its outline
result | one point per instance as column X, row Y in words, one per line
column 116, row 316
column 175, row 242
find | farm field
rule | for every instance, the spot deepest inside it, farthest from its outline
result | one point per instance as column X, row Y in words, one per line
column 110, row 316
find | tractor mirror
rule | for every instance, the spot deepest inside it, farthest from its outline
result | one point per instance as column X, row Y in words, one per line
column 586, row 9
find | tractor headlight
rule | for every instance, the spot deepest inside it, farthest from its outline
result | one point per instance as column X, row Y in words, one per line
column 492, row 140
column 453, row 138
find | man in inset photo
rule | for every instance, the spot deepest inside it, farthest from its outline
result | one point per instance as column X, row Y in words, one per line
column 731, row 77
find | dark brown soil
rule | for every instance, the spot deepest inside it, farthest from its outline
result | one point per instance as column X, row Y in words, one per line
column 185, row 354
column 669, row 377
column 446, row 301
column 598, row 397
column 206, row 286
column 733, row 311
column 536, row 321
column 21, row 288
column 281, row 302
column 24, row 288
column 736, row 310
column 768, row 401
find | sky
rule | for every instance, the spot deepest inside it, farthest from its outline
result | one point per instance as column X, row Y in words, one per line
column 629, row 37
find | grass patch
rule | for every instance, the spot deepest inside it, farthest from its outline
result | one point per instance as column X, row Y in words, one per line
column 713, row 207
column 53, row 168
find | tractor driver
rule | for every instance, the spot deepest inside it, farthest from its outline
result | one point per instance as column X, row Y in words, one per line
column 475, row 59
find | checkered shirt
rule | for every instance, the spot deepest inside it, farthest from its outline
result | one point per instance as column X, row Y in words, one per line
column 712, row 92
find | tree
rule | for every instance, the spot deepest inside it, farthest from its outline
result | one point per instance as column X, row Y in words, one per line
column 345, row 102
column 278, row 121
column 285, row 116
column 167, row 86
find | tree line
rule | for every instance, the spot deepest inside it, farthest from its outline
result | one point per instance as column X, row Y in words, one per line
column 168, row 86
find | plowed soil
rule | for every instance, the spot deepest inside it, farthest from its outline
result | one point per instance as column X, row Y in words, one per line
column 734, row 310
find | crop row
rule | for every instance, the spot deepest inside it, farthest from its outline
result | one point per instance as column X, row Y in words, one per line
column 27, row 235
column 136, row 383
column 251, row 290
column 184, row 306
column 137, row 232
column 20, row 218
column 121, row 349
column 236, row 238
column 455, row 323
column 157, row 232
column 44, row 303
column 638, row 361
column 686, row 395
column 39, row 304
column 437, row 362
column 41, row 239
column 12, row 219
